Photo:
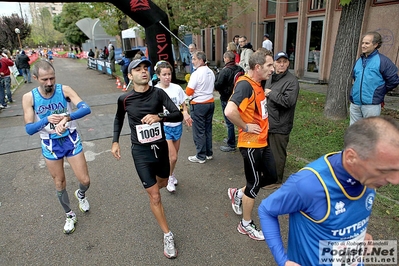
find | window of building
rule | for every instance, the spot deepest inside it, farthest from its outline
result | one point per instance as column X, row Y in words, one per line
column 271, row 8
column 317, row 4
column 292, row 6
column 379, row 2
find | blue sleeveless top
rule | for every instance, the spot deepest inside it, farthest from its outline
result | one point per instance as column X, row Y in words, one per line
column 56, row 104
column 346, row 217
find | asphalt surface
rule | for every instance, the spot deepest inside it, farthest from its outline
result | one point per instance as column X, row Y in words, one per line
column 120, row 228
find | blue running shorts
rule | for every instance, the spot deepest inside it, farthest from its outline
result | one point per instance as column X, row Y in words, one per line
column 55, row 149
column 173, row 133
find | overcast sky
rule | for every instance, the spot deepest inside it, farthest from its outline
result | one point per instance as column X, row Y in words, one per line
column 7, row 8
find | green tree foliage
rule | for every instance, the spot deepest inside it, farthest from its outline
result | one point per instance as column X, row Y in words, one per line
column 8, row 37
column 43, row 32
column 66, row 23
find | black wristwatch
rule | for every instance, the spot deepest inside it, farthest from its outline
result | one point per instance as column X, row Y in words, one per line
column 162, row 115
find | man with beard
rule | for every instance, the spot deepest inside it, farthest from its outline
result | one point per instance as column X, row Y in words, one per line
column 48, row 110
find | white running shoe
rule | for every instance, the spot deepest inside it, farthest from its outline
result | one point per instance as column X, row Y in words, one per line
column 251, row 231
column 169, row 249
column 194, row 159
column 174, row 179
column 84, row 205
column 171, row 185
column 209, row 157
column 70, row 222
column 236, row 202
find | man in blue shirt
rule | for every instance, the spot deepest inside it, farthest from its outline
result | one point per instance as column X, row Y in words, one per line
column 331, row 198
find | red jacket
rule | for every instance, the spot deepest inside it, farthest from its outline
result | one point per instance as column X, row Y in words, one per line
column 4, row 64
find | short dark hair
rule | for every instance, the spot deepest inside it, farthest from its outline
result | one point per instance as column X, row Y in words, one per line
column 259, row 57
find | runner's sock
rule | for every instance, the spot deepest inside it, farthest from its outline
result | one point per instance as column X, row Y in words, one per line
column 64, row 200
column 245, row 223
column 82, row 190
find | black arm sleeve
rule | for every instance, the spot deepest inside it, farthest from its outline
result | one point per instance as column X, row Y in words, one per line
column 119, row 119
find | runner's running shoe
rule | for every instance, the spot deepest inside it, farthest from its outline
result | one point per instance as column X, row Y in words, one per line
column 171, row 185
column 251, row 231
column 169, row 249
column 236, row 202
column 70, row 222
column 84, row 205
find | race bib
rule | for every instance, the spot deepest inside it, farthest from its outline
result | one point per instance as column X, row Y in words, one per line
column 148, row 133
column 263, row 105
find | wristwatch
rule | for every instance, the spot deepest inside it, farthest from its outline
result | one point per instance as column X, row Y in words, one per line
column 162, row 115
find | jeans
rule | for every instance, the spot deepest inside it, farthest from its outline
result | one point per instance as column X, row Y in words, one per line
column 202, row 115
column 231, row 134
column 358, row 112
column 5, row 84
column 26, row 74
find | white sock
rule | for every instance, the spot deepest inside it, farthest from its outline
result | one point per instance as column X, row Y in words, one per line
column 168, row 234
column 245, row 223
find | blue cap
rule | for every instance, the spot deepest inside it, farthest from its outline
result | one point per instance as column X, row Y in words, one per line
column 279, row 55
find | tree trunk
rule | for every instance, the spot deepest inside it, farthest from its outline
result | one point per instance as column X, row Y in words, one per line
column 345, row 54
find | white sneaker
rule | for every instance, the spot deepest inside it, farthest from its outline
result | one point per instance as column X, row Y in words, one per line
column 84, row 205
column 171, row 185
column 174, row 179
column 194, row 159
column 169, row 249
column 251, row 230
column 209, row 157
column 70, row 222
column 236, row 202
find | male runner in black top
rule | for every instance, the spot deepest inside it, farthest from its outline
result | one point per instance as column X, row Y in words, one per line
column 144, row 106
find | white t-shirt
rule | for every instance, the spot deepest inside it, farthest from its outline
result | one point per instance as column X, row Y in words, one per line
column 177, row 95
column 202, row 81
column 267, row 44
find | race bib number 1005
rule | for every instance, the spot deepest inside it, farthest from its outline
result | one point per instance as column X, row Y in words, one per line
column 149, row 133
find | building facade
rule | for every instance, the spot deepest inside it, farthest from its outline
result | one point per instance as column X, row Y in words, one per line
column 305, row 29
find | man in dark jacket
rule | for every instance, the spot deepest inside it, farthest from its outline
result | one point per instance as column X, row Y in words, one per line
column 23, row 64
column 224, row 84
column 282, row 93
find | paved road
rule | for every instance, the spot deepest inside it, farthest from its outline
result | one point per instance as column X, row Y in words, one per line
column 120, row 228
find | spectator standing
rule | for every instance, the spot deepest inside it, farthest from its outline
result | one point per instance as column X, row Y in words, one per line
column 111, row 59
column 23, row 63
column 192, row 48
column 90, row 53
column 144, row 106
column 96, row 52
column 281, row 91
column 246, row 52
column 267, row 43
column 59, row 137
column 124, row 63
column 374, row 75
column 200, row 88
column 106, row 52
column 5, row 80
column 246, row 109
column 224, row 85
column 236, row 42
column 333, row 194
column 231, row 46
column 173, row 130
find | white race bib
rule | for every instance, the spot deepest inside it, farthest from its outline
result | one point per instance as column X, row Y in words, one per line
column 148, row 133
column 263, row 105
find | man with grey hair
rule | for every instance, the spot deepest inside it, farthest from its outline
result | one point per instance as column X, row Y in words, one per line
column 200, row 88
column 248, row 111
column 331, row 198
column 374, row 75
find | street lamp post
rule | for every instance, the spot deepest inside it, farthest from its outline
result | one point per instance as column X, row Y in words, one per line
column 17, row 31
